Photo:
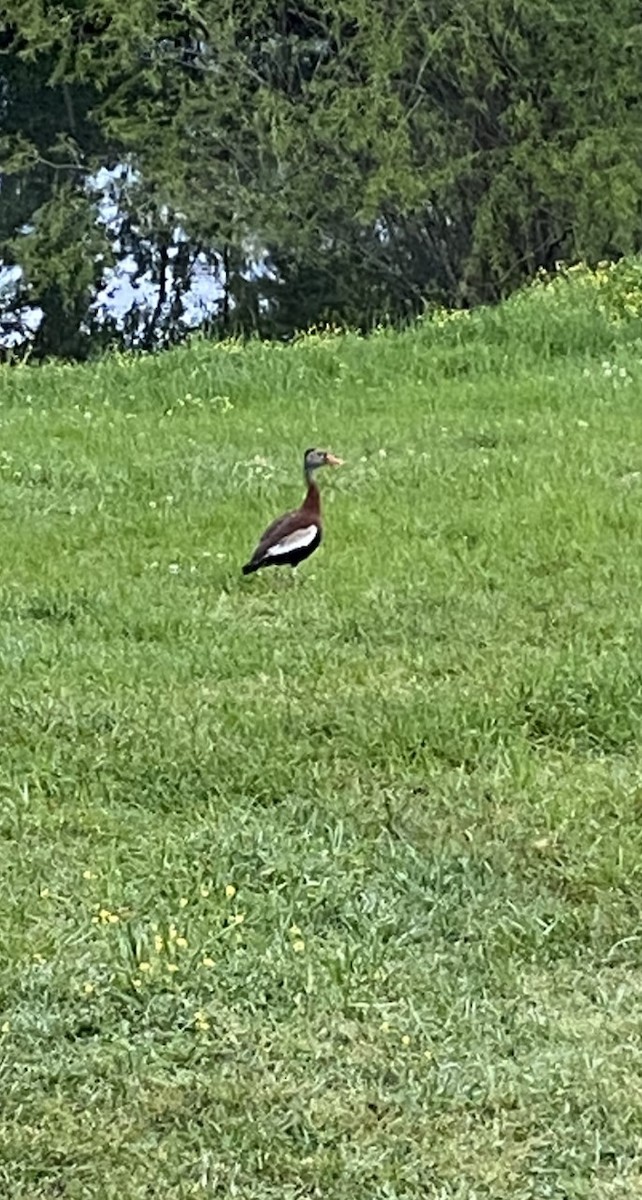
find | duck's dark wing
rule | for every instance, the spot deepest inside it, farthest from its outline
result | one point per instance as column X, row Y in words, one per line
column 289, row 535
column 285, row 522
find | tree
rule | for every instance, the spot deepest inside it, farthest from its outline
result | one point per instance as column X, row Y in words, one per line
column 47, row 211
column 384, row 153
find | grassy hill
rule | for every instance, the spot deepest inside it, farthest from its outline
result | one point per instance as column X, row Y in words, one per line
column 329, row 888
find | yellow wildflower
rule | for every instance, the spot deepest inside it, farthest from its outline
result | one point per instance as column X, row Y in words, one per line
column 405, row 1041
column 144, row 966
column 183, row 902
column 158, row 943
column 5, row 1027
column 106, row 917
column 137, row 983
column 181, row 942
column 172, row 967
column 205, row 891
column 239, row 918
column 298, row 945
column 230, row 891
column 207, row 961
column 88, row 988
column 44, row 892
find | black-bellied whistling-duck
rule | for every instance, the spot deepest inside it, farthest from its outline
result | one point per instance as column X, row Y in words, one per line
column 295, row 535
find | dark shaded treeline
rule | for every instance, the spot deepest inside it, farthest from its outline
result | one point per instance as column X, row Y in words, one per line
column 380, row 155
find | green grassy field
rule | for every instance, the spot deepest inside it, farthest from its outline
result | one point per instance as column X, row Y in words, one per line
column 330, row 889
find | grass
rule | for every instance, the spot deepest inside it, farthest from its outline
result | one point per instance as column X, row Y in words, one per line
column 330, row 889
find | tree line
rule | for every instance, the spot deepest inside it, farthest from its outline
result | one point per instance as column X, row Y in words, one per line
column 351, row 162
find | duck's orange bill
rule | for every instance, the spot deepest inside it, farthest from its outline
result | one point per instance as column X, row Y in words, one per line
column 333, row 461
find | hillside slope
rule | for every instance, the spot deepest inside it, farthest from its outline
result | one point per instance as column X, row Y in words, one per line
column 329, row 888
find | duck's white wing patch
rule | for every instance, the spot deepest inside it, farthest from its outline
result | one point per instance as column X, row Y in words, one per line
column 292, row 541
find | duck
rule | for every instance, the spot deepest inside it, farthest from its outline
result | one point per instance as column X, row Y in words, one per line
column 297, row 534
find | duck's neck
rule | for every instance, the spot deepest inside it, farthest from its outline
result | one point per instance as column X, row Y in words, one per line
column 312, row 502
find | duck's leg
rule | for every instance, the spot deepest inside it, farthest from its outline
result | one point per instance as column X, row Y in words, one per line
column 278, row 580
column 298, row 578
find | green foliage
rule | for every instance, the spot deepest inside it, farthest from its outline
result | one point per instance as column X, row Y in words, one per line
column 328, row 886
column 47, row 217
column 389, row 155
column 63, row 257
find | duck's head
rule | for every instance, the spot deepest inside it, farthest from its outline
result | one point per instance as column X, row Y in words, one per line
column 313, row 459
